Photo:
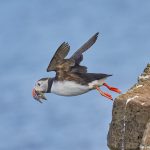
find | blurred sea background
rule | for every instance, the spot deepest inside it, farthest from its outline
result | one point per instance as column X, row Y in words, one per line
column 30, row 32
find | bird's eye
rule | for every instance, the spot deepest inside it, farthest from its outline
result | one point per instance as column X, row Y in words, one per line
column 39, row 84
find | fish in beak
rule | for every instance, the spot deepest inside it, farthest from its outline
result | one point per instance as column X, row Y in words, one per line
column 38, row 95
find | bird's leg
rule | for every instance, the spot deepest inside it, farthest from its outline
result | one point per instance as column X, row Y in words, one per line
column 103, row 93
column 112, row 88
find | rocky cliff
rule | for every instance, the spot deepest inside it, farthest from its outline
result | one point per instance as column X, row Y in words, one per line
column 130, row 125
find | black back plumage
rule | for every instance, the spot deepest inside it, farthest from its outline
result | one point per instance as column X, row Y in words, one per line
column 89, row 77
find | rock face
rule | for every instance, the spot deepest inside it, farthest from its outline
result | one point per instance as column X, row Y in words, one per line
column 130, row 125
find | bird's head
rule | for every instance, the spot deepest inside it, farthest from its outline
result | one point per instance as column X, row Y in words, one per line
column 41, row 87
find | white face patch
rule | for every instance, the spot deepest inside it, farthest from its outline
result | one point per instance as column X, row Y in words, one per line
column 68, row 88
column 41, row 86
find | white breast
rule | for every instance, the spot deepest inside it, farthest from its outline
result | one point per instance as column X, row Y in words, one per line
column 68, row 88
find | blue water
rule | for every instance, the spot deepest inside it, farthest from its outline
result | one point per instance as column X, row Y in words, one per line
column 30, row 32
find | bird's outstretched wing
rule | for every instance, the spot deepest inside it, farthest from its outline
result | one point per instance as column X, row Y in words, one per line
column 72, row 65
column 77, row 56
column 59, row 55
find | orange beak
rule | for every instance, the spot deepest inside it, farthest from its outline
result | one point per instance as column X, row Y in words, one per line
column 34, row 94
column 38, row 95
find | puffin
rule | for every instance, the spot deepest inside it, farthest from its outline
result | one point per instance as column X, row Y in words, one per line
column 71, row 77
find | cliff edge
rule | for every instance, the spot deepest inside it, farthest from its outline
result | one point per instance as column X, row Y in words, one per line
column 130, row 125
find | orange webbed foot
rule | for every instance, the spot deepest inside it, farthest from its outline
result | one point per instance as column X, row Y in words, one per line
column 103, row 93
column 112, row 88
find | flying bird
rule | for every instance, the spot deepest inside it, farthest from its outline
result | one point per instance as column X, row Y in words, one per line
column 71, row 78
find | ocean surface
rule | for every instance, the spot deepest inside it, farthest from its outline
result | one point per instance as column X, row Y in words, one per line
column 30, row 32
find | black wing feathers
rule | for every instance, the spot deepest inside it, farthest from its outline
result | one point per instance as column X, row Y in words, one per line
column 58, row 61
column 78, row 54
column 59, row 55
